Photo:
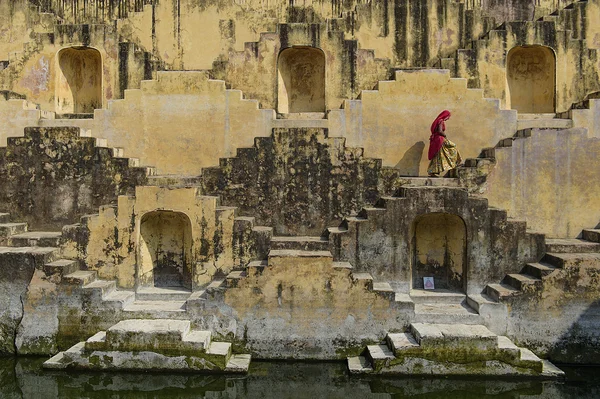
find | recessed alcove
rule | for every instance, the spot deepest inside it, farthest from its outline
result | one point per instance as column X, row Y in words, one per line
column 531, row 78
column 301, row 80
column 165, row 250
column 439, row 251
column 79, row 80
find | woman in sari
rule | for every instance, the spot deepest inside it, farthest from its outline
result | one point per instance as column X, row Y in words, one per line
column 443, row 154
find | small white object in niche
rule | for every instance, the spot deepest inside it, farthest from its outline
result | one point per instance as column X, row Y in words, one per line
column 428, row 283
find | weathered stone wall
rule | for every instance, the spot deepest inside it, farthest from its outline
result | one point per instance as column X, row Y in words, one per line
column 51, row 176
column 118, row 247
column 299, row 181
column 547, row 179
column 576, row 64
column 381, row 241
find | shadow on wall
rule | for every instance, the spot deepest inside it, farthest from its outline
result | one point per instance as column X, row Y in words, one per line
column 409, row 164
column 581, row 343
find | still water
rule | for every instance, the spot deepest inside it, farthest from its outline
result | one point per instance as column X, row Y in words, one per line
column 24, row 378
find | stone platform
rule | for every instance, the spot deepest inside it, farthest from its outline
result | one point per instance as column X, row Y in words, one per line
column 158, row 344
column 451, row 349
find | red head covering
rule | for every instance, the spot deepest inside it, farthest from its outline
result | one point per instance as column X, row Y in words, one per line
column 436, row 140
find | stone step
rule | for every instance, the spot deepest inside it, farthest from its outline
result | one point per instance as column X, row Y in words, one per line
column 499, row 291
column 379, row 355
column 429, row 181
column 174, row 181
column 100, row 288
column 80, row 277
column 401, row 341
column 591, row 235
column 36, row 239
column 40, row 255
column 544, row 124
column 197, row 340
column 155, row 307
column 119, row 298
column 536, row 116
column 436, row 296
column 234, row 278
column 220, row 353
column 238, row 363
column 446, row 313
column 520, row 281
column 62, row 267
column 539, row 269
column 572, row 260
column 4, row 218
column 300, row 123
column 147, row 335
column 10, row 229
column 290, row 253
column 357, row 365
column 363, row 279
column 454, row 335
column 385, row 290
column 162, row 294
column 574, row 245
column 303, row 243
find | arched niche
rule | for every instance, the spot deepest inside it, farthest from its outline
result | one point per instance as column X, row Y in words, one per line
column 439, row 251
column 79, row 80
column 301, row 80
column 165, row 250
column 531, row 78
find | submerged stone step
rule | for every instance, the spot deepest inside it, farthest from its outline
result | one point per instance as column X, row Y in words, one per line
column 575, row 245
column 359, row 365
column 4, row 217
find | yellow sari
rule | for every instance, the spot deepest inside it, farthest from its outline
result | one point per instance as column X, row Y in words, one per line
column 446, row 158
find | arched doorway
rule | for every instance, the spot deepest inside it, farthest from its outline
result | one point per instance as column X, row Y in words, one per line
column 439, row 251
column 531, row 76
column 301, row 80
column 165, row 257
column 79, row 80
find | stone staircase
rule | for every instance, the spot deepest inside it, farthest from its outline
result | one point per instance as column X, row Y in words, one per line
column 158, row 344
column 561, row 256
column 450, row 349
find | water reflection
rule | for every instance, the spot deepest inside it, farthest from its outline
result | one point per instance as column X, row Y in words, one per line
column 24, row 378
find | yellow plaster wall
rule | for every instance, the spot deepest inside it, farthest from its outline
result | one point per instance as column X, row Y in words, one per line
column 393, row 122
column 14, row 116
column 182, row 122
column 300, row 292
column 548, row 180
